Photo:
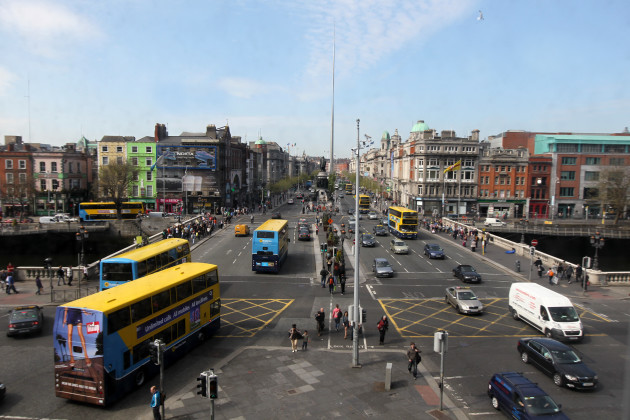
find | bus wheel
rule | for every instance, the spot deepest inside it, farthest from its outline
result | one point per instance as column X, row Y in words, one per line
column 139, row 378
column 201, row 337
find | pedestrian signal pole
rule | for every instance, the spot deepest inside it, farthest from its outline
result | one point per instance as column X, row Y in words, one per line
column 440, row 344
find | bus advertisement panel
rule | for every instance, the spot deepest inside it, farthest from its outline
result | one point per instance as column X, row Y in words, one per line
column 270, row 246
column 107, row 210
column 101, row 347
column 364, row 204
column 143, row 261
column 403, row 222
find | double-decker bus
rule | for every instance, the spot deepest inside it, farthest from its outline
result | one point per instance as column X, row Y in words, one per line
column 101, row 346
column 107, row 210
column 143, row 261
column 364, row 203
column 348, row 187
column 403, row 222
column 270, row 246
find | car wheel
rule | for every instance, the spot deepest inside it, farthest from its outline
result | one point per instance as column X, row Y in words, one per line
column 495, row 403
column 557, row 379
column 525, row 357
column 548, row 334
column 515, row 315
column 459, row 309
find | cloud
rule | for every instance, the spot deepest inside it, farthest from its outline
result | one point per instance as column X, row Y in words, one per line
column 244, row 88
column 6, row 80
column 45, row 27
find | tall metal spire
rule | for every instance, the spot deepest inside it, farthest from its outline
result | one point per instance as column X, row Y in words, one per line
column 332, row 117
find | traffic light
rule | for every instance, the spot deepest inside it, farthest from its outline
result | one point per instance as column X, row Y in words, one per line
column 363, row 316
column 153, row 353
column 203, row 385
column 213, row 386
column 325, row 247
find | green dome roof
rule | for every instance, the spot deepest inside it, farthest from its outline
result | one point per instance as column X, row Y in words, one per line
column 420, row 126
column 260, row 141
column 385, row 135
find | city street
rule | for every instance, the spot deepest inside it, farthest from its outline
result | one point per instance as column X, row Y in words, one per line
column 258, row 310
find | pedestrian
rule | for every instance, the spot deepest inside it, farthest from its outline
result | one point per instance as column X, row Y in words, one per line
column 336, row 271
column 69, row 275
column 294, row 336
column 155, row 402
column 413, row 355
column 60, row 276
column 329, row 262
column 539, row 265
column 382, row 326
column 585, row 282
column 319, row 318
column 85, row 274
column 569, row 273
column 342, row 282
column 550, row 273
column 578, row 273
column 304, row 340
column 39, row 285
column 324, row 274
column 336, row 314
column 331, row 284
column 473, row 245
column 10, row 268
column 346, row 324
column 11, row 285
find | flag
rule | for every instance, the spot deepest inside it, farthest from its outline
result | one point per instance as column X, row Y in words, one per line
column 454, row 167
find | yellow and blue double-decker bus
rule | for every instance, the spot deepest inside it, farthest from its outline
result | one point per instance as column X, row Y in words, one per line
column 348, row 188
column 107, row 210
column 402, row 222
column 270, row 246
column 143, row 261
column 101, row 342
column 364, row 203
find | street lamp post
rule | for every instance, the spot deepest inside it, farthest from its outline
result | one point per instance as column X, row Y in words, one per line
column 597, row 242
column 82, row 236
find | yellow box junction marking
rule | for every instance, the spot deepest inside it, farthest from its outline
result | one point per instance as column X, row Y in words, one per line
column 249, row 316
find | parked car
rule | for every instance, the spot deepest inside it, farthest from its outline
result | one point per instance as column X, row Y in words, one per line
column 467, row 274
column 372, row 215
column 25, row 320
column 379, row 230
column 557, row 360
column 433, row 251
column 382, row 268
column 398, row 247
column 521, row 398
column 304, row 234
column 464, row 300
column 367, row 240
column 290, row 201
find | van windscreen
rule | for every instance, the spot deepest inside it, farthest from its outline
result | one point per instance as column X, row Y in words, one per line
column 564, row 314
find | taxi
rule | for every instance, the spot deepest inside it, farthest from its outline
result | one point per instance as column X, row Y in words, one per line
column 241, row 230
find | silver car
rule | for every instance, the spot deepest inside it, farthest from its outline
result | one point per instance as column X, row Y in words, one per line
column 464, row 300
column 398, row 247
column 382, row 268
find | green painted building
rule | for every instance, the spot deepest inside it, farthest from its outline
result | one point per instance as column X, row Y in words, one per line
column 142, row 155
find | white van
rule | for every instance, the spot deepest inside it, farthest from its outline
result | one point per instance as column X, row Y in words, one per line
column 549, row 312
column 493, row 221
column 47, row 219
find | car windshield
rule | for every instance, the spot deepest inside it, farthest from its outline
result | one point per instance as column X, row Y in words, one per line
column 368, row 236
column 23, row 316
column 399, row 243
column 466, row 268
column 564, row 314
column 382, row 263
column 407, row 228
column 541, row 405
column 565, row 356
column 466, row 296
column 434, row 247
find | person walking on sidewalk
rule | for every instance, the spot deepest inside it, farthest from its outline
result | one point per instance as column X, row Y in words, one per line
column 305, row 340
column 294, row 336
column 331, row 284
column 39, row 285
column 413, row 355
column 336, row 314
column 60, row 276
column 346, row 324
column 342, row 282
column 324, row 274
column 382, row 326
column 320, row 317
column 11, row 285
column 70, row 275
column 155, row 403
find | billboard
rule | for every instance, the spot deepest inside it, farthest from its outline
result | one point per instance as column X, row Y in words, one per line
column 193, row 157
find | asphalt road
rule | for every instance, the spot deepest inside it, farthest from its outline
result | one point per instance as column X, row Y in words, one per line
column 258, row 309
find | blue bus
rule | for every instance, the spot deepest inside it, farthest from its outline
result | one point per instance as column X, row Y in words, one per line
column 107, row 210
column 270, row 246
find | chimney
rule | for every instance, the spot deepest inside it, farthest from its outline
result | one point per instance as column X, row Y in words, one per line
column 160, row 132
column 211, row 131
column 475, row 135
column 156, row 133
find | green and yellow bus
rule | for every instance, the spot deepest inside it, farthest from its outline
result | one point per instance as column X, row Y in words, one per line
column 143, row 261
column 101, row 342
column 402, row 222
column 348, row 187
column 364, row 204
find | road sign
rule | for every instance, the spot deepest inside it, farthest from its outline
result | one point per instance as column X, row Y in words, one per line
column 330, row 221
column 534, row 242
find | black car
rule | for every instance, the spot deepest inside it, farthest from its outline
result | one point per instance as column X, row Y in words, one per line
column 379, row 230
column 350, row 211
column 367, row 240
column 467, row 274
column 558, row 361
column 304, row 234
column 276, row 215
column 25, row 320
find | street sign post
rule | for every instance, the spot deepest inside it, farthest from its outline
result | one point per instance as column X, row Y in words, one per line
column 534, row 242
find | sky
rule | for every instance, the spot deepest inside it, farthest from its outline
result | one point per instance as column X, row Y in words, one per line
column 73, row 68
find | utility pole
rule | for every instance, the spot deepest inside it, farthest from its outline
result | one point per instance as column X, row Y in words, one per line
column 357, row 320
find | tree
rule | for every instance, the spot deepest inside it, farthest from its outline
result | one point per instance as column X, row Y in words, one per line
column 613, row 188
column 332, row 178
column 23, row 193
column 114, row 180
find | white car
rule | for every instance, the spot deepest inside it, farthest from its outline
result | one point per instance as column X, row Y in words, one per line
column 372, row 215
column 64, row 217
column 290, row 201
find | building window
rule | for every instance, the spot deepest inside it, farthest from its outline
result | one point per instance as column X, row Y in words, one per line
column 496, row 181
column 591, row 176
column 70, row 167
column 148, row 149
column 22, row 178
column 616, row 161
column 433, row 162
column 9, row 178
column 42, row 166
column 8, row 164
column 591, row 148
column 433, row 175
column 419, row 189
column 21, row 164
column 468, row 175
column 469, row 163
column 105, row 160
column 55, row 184
column 590, row 193
column 564, row 148
column 104, row 149
column 53, row 166
column 614, row 148
column 136, row 177
column 134, row 161
column 134, row 149
column 134, row 191
column 433, row 148
column 567, row 175
column 79, row 167
column 420, row 162
column 569, row 160
column 148, row 162
column 119, row 149
column 149, row 190
column 450, row 175
column 42, row 185
column 149, row 176
column 566, row 192
column 593, row 161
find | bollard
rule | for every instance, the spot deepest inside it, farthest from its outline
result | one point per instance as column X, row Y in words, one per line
column 388, row 376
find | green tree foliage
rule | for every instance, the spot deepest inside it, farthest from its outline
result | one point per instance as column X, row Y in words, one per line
column 114, row 180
